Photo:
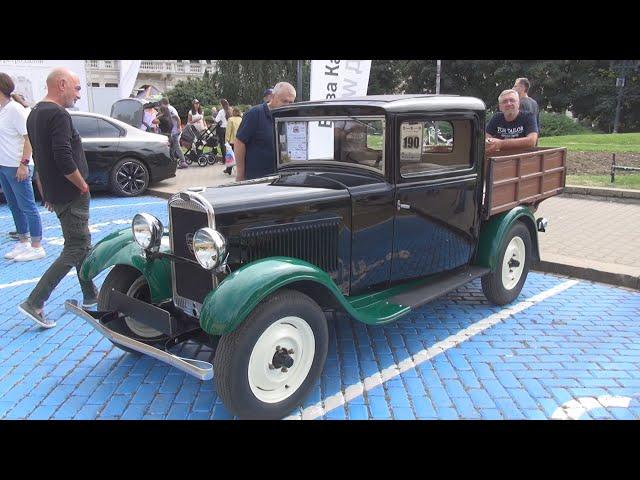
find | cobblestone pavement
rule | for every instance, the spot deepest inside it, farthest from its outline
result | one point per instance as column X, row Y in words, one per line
column 565, row 349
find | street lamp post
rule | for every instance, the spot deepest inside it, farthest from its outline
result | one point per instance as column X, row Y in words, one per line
column 299, row 80
column 438, row 77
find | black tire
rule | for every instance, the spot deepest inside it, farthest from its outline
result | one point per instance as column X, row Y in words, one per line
column 202, row 161
column 128, row 280
column 129, row 178
column 231, row 362
column 493, row 284
column 190, row 157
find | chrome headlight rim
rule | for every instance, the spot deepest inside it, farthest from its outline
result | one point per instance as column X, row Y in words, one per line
column 209, row 248
column 147, row 231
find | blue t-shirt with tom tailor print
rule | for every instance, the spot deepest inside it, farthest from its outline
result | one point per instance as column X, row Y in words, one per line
column 520, row 127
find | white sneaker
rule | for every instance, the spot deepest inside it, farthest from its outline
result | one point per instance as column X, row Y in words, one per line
column 19, row 249
column 31, row 254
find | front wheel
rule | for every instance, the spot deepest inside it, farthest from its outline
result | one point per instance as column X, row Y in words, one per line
column 203, row 161
column 132, row 283
column 504, row 284
column 266, row 367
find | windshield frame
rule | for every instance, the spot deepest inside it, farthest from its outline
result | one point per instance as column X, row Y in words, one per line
column 331, row 118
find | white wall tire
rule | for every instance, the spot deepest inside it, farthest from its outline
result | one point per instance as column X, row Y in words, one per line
column 504, row 284
column 266, row 367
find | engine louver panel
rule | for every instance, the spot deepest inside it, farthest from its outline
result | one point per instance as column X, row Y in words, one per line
column 314, row 241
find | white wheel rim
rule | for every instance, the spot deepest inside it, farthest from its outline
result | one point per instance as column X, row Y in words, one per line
column 272, row 385
column 511, row 273
column 140, row 329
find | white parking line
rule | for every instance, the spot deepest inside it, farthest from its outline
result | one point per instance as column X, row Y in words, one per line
column 575, row 408
column 43, row 211
column 17, row 283
column 353, row 391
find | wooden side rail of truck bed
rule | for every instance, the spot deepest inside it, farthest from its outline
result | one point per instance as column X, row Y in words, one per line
column 523, row 178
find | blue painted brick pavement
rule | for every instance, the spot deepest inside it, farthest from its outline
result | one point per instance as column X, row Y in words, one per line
column 583, row 341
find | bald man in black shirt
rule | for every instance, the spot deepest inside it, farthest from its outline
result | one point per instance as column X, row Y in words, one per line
column 63, row 170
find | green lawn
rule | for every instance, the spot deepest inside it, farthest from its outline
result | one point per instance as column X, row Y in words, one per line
column 623, row 180
column 603, row 142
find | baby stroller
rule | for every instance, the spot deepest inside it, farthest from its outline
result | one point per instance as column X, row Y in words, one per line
column 195, row 142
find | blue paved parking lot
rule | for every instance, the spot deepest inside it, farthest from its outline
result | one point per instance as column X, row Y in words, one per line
column 566, row 349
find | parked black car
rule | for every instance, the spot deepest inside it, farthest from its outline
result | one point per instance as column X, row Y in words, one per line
column 122, row 158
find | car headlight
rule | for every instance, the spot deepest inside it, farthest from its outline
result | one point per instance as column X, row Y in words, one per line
column 147, row 231
column 209, row 248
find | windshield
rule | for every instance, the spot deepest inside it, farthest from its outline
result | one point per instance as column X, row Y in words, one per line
column 355, row 140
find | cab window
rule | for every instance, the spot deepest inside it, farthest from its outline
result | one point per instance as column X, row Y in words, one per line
column 434, row 146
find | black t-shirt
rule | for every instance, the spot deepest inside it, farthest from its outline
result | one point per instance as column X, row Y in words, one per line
column 520, row 127
column 57, row 151
column 165, row 124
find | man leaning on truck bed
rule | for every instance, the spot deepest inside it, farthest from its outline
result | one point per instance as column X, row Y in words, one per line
column 510, row 129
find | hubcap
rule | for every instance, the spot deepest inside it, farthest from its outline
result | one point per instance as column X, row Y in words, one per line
column 140, row 290
column 513, row 263
column 131, row 178
column 281, row 359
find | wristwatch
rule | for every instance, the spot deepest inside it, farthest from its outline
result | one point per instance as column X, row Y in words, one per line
column 24, row 161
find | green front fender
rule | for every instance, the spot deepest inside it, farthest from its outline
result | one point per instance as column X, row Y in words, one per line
column 228, row 305
column 119, row 248
column 493, row 231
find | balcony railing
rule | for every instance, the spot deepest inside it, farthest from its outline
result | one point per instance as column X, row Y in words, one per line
column 151, row 66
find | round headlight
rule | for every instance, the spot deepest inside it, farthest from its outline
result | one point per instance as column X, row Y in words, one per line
column 147, row 231
column 209, row 248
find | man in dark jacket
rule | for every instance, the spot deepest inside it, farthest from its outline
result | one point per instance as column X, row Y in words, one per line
column 61, row 163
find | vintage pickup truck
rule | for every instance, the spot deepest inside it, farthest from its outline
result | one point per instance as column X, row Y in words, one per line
column 378, row 205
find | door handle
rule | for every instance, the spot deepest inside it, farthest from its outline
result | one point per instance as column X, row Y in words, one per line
column 403, row 206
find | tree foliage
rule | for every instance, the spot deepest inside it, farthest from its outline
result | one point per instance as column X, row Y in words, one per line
column 587, row 88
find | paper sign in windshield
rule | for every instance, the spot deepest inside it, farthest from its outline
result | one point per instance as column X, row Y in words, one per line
column 297, row 140
column 411, row 141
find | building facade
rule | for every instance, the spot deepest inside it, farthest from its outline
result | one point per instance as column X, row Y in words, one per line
column 162, row 74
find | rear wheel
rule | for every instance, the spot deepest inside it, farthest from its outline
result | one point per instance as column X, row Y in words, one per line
column 132, row 283
column 203, row 161
column 504, row 284
column 267, row 366
column 129, row 178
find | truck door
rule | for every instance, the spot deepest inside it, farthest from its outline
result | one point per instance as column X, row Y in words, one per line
column 436, row 196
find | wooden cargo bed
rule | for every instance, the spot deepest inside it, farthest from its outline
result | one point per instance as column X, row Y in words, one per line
column 528, row 177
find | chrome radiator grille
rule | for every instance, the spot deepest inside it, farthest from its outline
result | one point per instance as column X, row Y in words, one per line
column 189, row 212
column 315, row 241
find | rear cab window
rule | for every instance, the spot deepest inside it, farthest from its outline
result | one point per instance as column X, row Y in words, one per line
column 430, row 146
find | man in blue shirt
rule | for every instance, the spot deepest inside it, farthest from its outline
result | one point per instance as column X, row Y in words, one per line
column 254, row 147
column 510, row 129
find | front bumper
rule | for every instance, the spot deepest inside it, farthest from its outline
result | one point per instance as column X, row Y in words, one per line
column 107, row 322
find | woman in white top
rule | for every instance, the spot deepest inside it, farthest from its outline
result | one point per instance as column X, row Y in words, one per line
column 15, row 175
column 196, row 117
column 221, row 121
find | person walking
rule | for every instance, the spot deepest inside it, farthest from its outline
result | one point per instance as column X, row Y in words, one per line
column 254, row 146
column 60, row 159
column 15, row 176
column 176, row 151
column 221, row 122
column 232, row 129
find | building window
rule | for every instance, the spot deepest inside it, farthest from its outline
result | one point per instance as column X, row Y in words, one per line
column 110, row 84
column 93, row 63
column 95, row 84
